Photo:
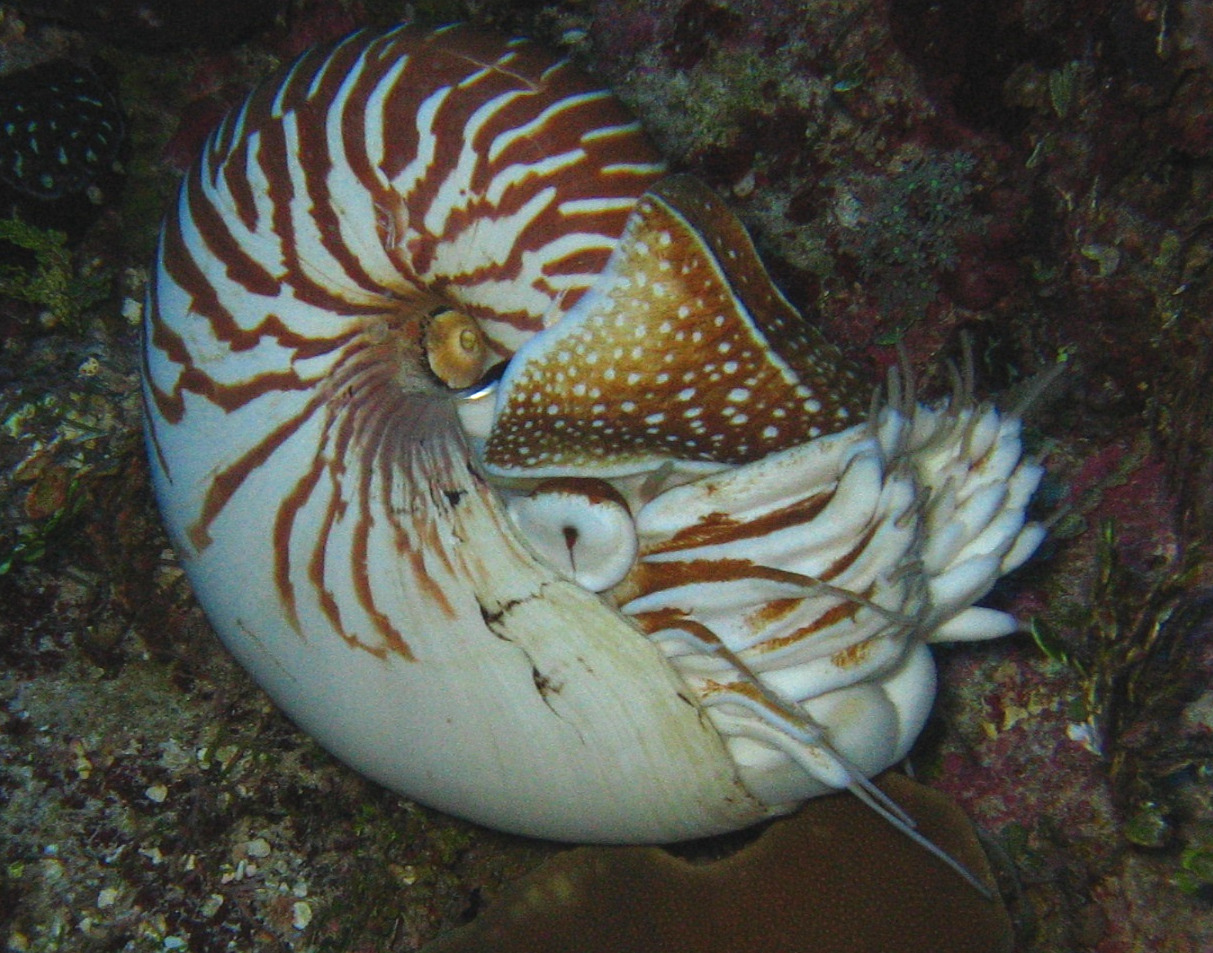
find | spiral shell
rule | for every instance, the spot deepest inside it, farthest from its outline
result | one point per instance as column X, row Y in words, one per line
column 494, row 455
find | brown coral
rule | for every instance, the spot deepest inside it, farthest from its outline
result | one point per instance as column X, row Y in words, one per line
column 833, row 877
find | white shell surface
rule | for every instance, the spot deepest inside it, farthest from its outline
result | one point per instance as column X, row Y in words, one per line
column 504, row 718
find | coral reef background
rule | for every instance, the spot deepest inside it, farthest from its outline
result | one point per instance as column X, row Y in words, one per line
column 1023, row 184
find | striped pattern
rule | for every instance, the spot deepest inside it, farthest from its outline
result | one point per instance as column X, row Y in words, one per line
column 355, row 192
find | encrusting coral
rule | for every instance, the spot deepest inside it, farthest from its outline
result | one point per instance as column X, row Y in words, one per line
column 833, row 877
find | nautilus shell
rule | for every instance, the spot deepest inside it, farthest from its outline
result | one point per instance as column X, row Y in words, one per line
column 493, row 454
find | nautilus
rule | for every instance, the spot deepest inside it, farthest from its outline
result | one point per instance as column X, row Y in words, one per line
column 493, row 453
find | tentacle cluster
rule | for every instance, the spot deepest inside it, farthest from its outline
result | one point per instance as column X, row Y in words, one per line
column 812, row 580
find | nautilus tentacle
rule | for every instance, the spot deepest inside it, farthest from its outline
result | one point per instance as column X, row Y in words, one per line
column 496, row 457
column 582, row 525
column 811, row 580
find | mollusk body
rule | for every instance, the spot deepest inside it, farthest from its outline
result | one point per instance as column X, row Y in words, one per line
column 658, row 581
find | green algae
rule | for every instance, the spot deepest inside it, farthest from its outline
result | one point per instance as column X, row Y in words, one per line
column 54, row 283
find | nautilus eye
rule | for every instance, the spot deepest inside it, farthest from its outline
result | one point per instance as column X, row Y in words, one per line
column 494, row 454
column 455, row 348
